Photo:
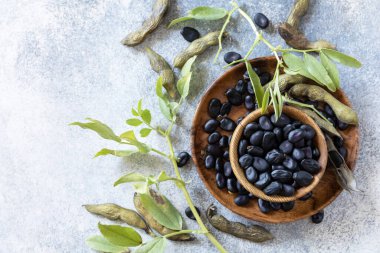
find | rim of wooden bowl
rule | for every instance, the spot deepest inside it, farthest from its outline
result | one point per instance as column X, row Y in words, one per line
column 319, row 141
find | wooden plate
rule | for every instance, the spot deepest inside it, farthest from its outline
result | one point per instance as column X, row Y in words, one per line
column 323, row 194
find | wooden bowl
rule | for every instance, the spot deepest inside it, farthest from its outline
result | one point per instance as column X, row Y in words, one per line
column 323, row 194
column 319, row 141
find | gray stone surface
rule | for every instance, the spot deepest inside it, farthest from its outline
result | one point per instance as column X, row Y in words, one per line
column 61, row 61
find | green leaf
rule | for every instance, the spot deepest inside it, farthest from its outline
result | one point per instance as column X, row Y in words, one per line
column 145, row 132
column 129, row 136
column 275, row 104
column 183, row 85
column 119, row 153
column 201, row 13
column 156, row 245
column 139, row 106
column 99, row 243
column 178, row 20
column 100, row 128
column 187, row 67
column 255, row 81
column 134, row 112
column 162, row 177
column 207, row 13
column 134, row 122
column 317, row 70
column 342, row 58
column 331, row 69
column 131, row 178
column 165, row 110
column 121, row 236
column 265, row 102
column 146, row 116
column 162, row 210
column 159, row 89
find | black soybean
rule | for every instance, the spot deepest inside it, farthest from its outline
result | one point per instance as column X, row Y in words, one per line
column 245, row 161
column 250, row 129
column 211, row 125
column 300, row 144
column 286, row 147
column 273, row 188
column 214, row 137
column 342, row 126
column 223, row 142
column 231, row 185
column 240, row 188
column 241, row 200
column 287, row 130
column 242, row 150
column 309, row 132
column 298, row 154
column 183, row 158
column 241, row 86
column 282, row 121
column 263, row 181
column 264, row 206
column 226, row 155
column 255, row 151
column 296, row 135
column 290, row 163
column 190, row 34
column 225, row 108
column 256, row 138
column 227, row 124
column 261, row 20
column 264, row 78
column 219, row 164
column 227, row 169
column 308, row 152
column 275, row 206
column 265, row 123
column 287, row 190
column 260, row 164
column 306, row 196
column 277, row 167
column 269, row 140
column 318, row 217
column 234, row 97
column 251, row 174
column 316, row 153
column 287, row 206
column 274, row 156
column 190, row 214
column 214, row 107
column 249, row 102
column 338, row 142
column 343, row 151
column 281, row 175
column 210, row 161
column 250, row 89
column 231, row 57
column 220, row 180
column 240, row 119
column 310, row 165
column 214, row 150
column 329, row 110
column 303, row 178
column 278, row 132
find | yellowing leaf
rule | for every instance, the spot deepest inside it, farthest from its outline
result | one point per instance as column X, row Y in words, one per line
column 100, row 128
column 131, row 177
column 119, row 153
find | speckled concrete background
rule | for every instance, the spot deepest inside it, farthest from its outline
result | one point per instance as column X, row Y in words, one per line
column 61, row 61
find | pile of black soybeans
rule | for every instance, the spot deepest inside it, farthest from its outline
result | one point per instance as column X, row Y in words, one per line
column 217, row 150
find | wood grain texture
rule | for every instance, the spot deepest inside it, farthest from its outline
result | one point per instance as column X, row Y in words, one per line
column 323, row 194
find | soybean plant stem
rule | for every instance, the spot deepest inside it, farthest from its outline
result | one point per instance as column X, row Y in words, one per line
column 187, row 195
column 160, row 153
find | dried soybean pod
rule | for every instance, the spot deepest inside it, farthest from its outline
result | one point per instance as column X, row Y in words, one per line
column 344, row 175
column 253, row 233
column 116, row 212
column 327, row 126
column 316, row 93
column 149, row 25
column 197, row 47
column 157, row 226
column 286, row 80
column 160, row 66
column 299, row 10
column 290, row 32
